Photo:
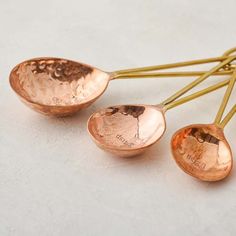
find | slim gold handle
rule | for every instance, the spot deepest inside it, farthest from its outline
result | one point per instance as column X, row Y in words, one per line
column 225, row 99
column 171, row 65
column 169, row 74
column 198, row 81
column 228, row 117
column 135, row 72
column 196, row 95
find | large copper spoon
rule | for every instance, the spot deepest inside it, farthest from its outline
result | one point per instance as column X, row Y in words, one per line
column 60, row 87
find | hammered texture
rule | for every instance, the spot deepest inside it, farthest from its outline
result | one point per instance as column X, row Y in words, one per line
column 58, row 82
column 126, row 127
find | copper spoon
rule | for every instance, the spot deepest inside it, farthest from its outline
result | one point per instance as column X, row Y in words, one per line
column 60, row 87
column 201, row 150
column 128, row 130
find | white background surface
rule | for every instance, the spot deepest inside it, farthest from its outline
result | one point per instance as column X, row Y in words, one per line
column 53, row 179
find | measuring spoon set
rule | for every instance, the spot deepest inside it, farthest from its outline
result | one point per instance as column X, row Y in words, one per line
column 61, row 87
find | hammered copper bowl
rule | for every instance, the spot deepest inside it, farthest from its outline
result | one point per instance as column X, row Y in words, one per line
column 127, row 130
column 57, row 87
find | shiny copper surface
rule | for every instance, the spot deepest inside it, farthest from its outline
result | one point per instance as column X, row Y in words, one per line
column 127, row 130
column 202, row 151
column 60, row 87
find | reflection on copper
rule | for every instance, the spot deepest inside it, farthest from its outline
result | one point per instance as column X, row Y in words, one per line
column 60, row 87
column 127, row 130
column 202, row 151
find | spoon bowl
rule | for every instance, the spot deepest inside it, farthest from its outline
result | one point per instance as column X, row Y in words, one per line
column 127, row 130
column 202, row 151
column 58, row 87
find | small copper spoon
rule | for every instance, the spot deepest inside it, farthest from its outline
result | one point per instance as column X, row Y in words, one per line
column 201, row 150
column 128, row 130
column 60, row 87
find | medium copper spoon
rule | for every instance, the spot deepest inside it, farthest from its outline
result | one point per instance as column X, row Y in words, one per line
column 128, row 130
column 60, row 87
column 201, row 150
